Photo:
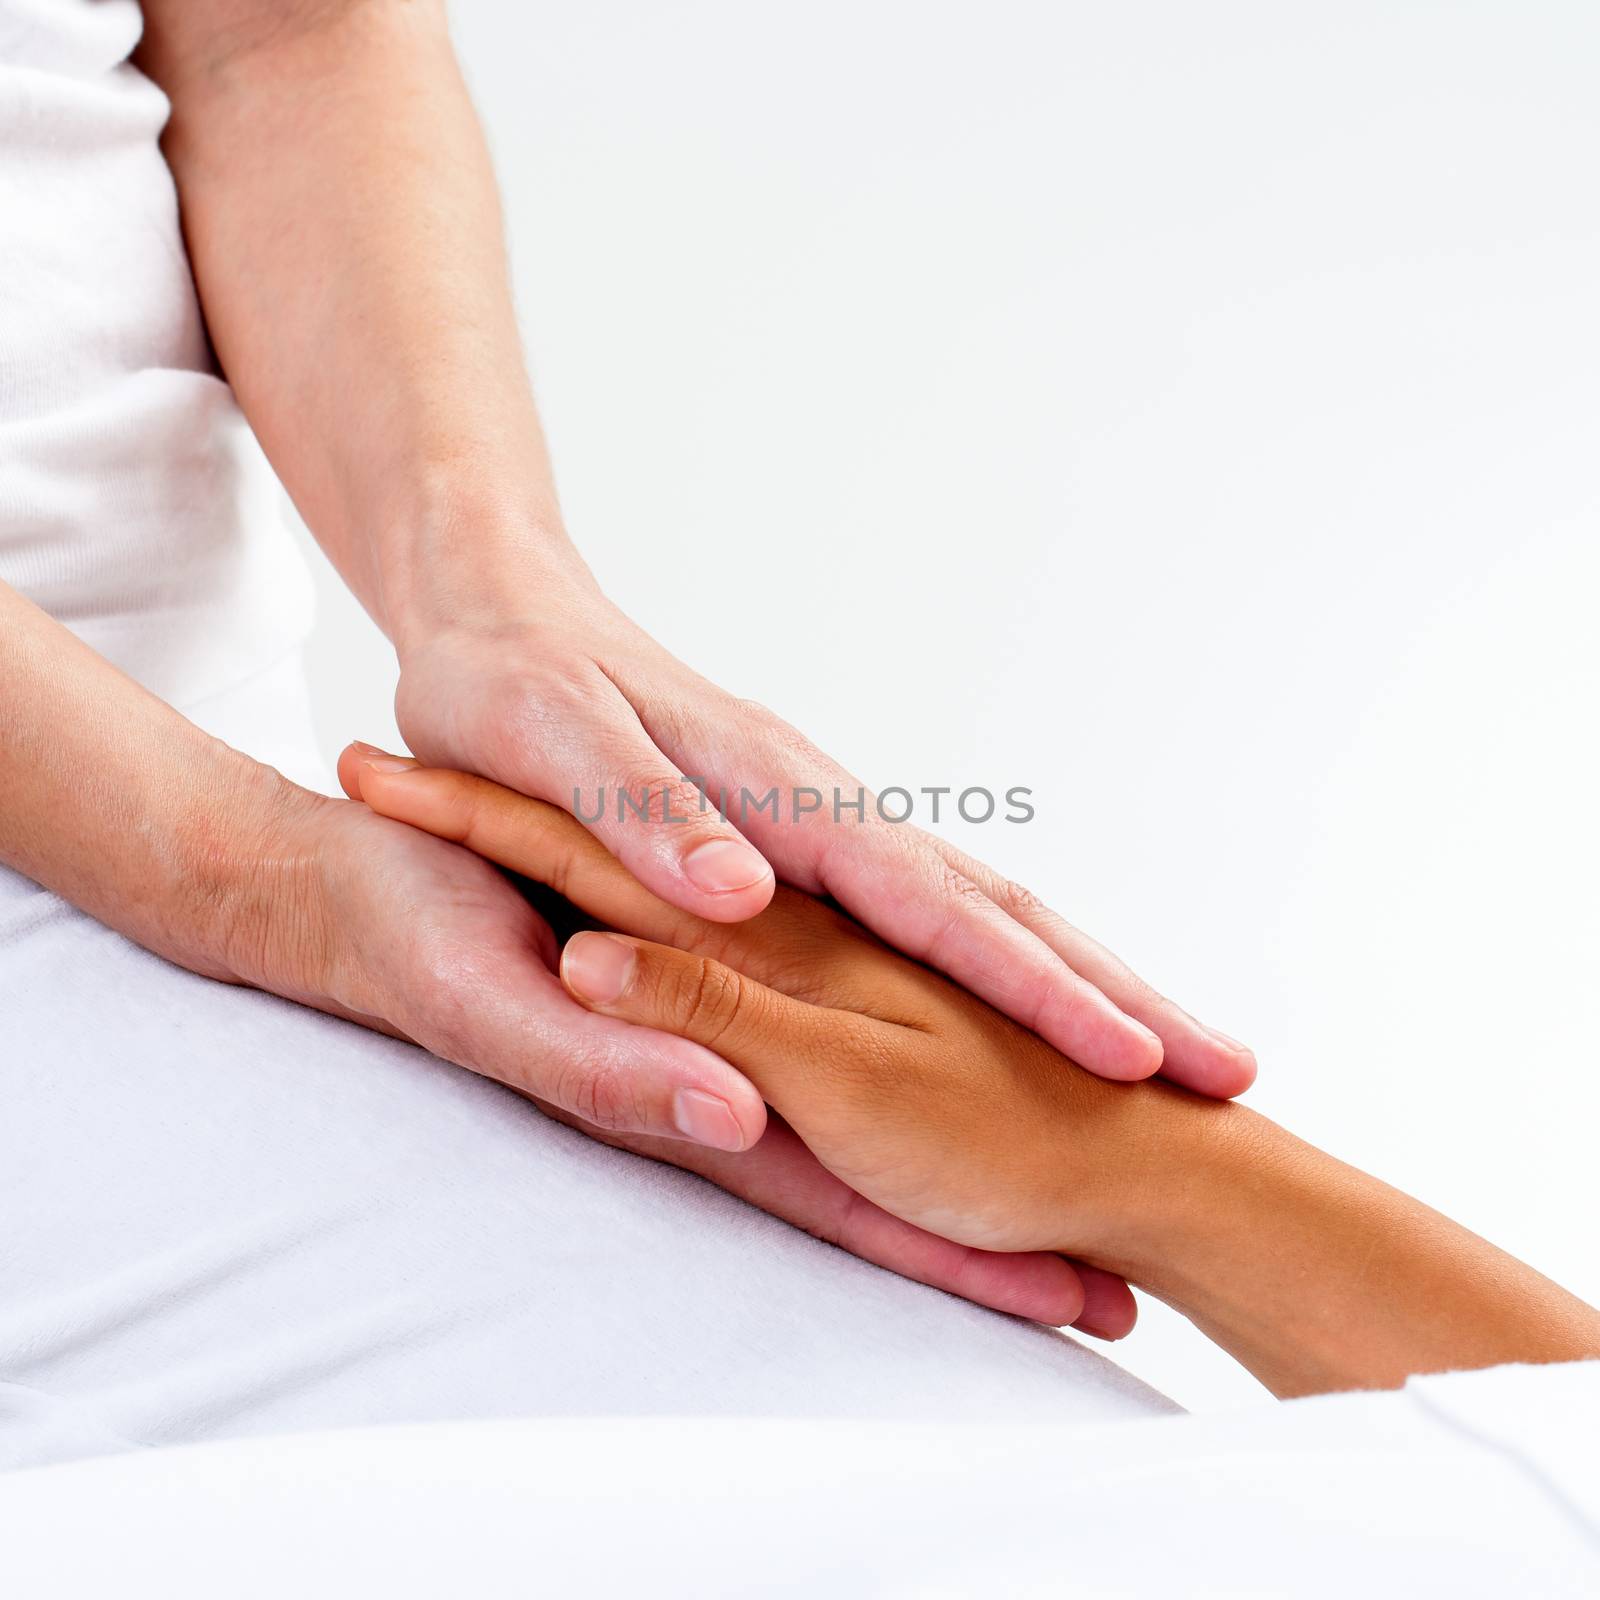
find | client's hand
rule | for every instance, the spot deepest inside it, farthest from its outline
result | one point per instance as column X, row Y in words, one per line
column 946, row 1114
column 381, row 923
column 915, row 1094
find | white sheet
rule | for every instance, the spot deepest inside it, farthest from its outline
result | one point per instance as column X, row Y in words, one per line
column 222, row 1214
column 1476, row 1484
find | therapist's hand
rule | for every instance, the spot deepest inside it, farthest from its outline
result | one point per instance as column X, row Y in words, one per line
column 337, row 907
column 911, row 1091
column 576, row 698
column 457, row 960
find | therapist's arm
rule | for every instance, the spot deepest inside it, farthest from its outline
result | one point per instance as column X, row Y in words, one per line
column 118, row 803
column 128, row 810
column 1312, row 1274
column 342, row 219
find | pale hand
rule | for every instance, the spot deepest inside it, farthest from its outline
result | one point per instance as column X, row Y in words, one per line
column 578, row 699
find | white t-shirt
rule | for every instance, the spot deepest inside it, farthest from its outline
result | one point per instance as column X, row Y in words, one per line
column 134, row 504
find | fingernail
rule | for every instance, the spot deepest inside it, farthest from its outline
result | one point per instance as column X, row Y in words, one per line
column 706, row 1119
column 719, row 866
column 1154, row 1052
column 380, row 760
column 1232, row 1044
column 597, row 968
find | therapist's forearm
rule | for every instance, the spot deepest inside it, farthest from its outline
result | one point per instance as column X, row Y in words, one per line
column 342, row 219
column 1315, row 1276
column 125, row 808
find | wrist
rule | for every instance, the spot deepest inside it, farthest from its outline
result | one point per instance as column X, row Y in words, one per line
column 475, row 556
column 253, row 888
column 1180, row 1175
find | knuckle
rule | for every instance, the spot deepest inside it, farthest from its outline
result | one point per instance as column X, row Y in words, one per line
column 599, row 1091
column 961, row 900
column 708, row 998
column 961, row 893
column 1022, row 902
column 657, row 797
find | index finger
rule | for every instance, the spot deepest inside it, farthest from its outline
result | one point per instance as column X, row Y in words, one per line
column 531, row 837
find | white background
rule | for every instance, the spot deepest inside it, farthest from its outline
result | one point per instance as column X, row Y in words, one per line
column 1190, row 412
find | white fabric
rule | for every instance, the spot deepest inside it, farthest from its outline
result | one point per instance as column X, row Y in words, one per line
column 134, row 504
column 1480, row 1484
column 225, row 1214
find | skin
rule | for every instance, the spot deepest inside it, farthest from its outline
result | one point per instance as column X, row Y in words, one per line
column 344, row 230
column 342, row 220
column 116, row 802
column 945, row 1113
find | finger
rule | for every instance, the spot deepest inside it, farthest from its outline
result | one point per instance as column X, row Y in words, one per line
column 781, row 1176
column 796, row 944
column 543, row 842
column 776, row 1039
column 888, row 878
column 481, row 998
column 1198, row 1057
column 531, row 837
column 624, row 1079
column 609, row 773
column 1109, row 1308
column 920, row 904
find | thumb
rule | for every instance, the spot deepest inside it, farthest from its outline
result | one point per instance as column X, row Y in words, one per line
column 767, row 1035
column 657, row 822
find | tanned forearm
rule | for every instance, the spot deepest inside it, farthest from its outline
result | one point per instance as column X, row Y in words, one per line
column 1313, row 1275
column 345, row 231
